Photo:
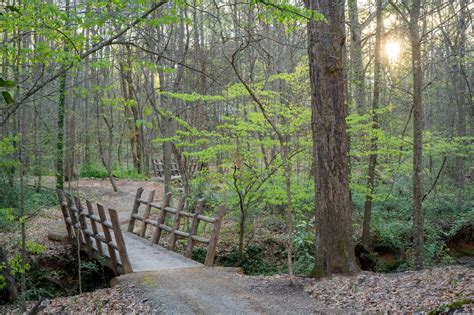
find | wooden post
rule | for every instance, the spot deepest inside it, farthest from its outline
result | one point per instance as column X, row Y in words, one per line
column 194, row 228
column 212, row 246
column 98, row 244
column 136, row 205
column 146, row 214
column 122, row 249
column 161, row 219
column 176, row 222
column 72, row 214
column 63, row 205
column 83, row 225
column 108, row 237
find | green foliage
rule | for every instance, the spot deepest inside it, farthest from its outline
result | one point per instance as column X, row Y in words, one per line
column 95, row 170
column 303, row 243
column 199, row 254
column 4, row 86
column 285, row 12
column 253, row 262
column 451, row 307
column 127, row 173
column 34, row 201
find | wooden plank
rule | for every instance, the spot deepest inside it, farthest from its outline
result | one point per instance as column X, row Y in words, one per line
column 136, row 205
column 176, row 221
column 72, row 214
column 95, row 230
column 137, row 217
column 151, row 196
column 63, row 205
column 108, row 237
column 207, row 219
column 182, row 234
column 194, row 228
column 161, row 219
column 151, row 222
column 83, row 224
column 119, row 241
column 200, row 239
column 212, row 247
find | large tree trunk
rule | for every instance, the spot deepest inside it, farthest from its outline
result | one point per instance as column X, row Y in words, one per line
column 334, row 247
column 375, row 126
column 418, row 235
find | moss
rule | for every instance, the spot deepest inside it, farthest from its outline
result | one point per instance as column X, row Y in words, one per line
column 450, row 307
column 148, row 281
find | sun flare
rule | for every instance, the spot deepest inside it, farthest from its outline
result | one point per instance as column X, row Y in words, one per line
column 392, row 50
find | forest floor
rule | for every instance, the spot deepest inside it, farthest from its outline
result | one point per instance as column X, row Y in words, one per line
column 216, row 290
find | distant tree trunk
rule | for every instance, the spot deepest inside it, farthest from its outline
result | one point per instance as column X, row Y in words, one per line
column 132, row 111
column 60, row 138
column 334, row 247
column 107, row 160
column 70, row 137
column 375, row 127
column 461, row 98
column 358, row 80
column 418, row 225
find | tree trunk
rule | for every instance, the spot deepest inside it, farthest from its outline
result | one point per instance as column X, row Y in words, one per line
column 334, row 247
column 418, row 235
column 358, row 80
column 461, row 99
column 375, row 127
column 60, row 138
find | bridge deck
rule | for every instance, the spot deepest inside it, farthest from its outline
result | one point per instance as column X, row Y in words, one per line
column 145, row 256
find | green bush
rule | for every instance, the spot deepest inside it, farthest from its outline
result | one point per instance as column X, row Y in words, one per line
column 33, row 202
column 253, row 262
column 95, row 170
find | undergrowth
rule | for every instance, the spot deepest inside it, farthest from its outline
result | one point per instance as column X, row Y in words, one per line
column 95, row 170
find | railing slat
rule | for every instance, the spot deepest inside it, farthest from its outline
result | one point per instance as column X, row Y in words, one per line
column 176, row 223
column 161, row 219
column 90, row 210
column 63, row 205
column 136, row 206
column 83, row 225
column 212, row 246
column 108, row 237
column 119, row 241
column 194, row 228
column 147, row 213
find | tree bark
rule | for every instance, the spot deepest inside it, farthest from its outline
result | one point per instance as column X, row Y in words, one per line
column 375, row 127
column 358, row 80
column 415, row 40
column 334, row 247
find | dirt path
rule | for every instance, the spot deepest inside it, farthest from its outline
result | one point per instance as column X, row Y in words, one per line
column 100, row 190
column 216, row 291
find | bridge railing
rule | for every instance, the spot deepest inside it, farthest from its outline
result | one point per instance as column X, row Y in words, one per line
column 159, row 170
column 174, row 227
column 93, row 231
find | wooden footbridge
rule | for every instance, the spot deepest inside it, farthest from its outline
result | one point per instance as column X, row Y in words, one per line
column 159, row 170
column 155, row 237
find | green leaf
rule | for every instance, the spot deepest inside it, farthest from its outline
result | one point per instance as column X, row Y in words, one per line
column 7, row 97
column 6, row 83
